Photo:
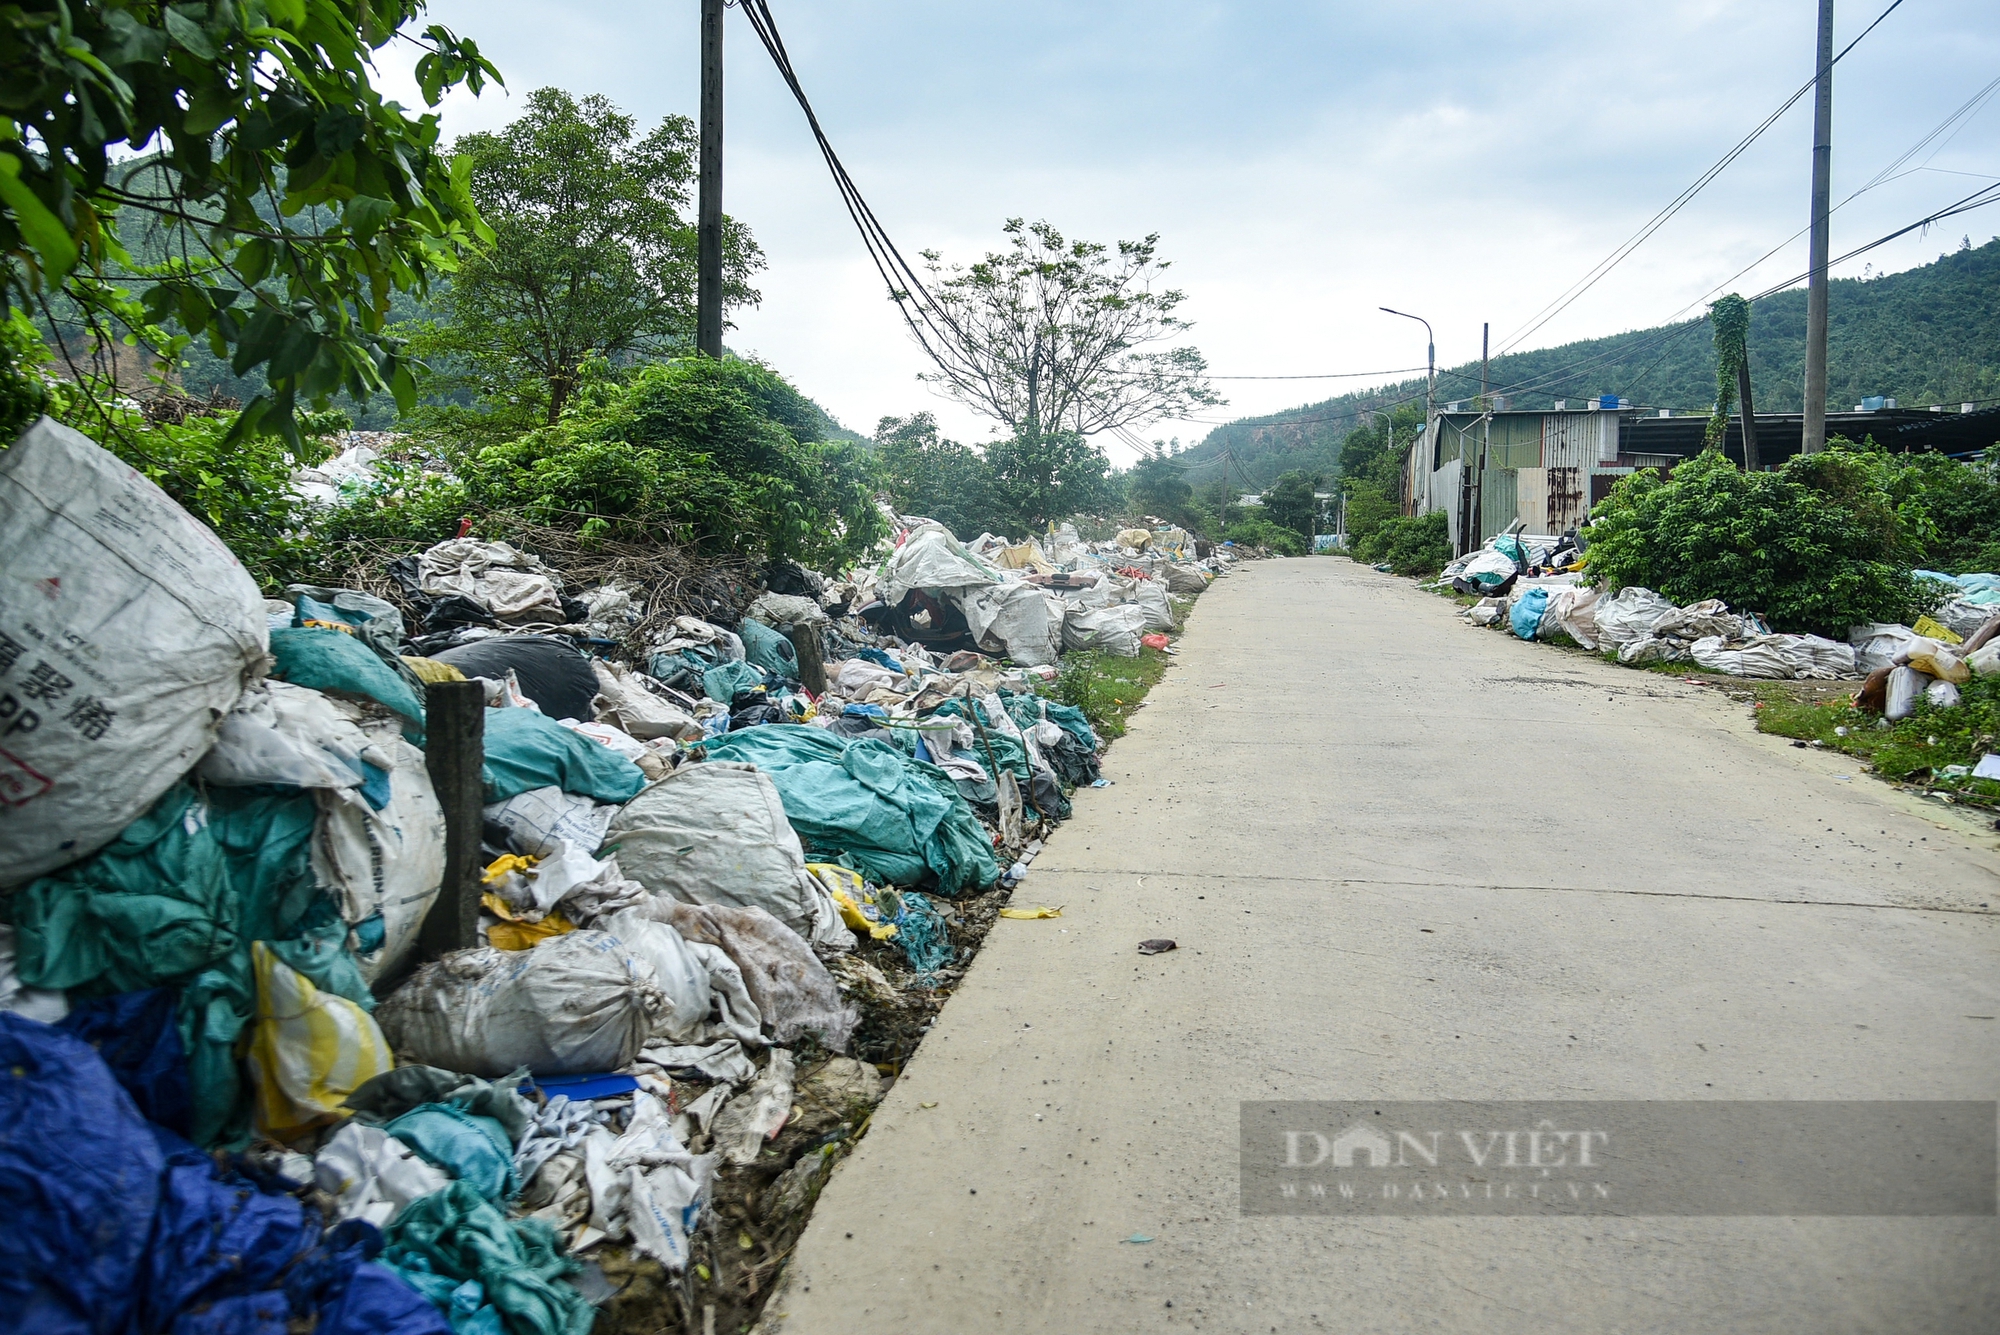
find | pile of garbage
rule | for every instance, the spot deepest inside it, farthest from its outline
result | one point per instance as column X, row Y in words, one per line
column 1525, row 587
column 729, row 865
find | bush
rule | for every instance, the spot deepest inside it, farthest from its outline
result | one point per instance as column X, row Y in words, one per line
column 721, row 455
column 1256, row 531
column 1818, row 546
column 1412, row 544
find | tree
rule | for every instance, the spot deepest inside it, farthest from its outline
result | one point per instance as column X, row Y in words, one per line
column 1047, row 336
column 1291, row 502
column 264, row 101
column 939, row 479
column 1156, row 485
column 1049, row 476
column 591, row 259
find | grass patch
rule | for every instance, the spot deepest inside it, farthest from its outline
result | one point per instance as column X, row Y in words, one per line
column 1107, row 688
column 1916, row 751
column 1685, row 668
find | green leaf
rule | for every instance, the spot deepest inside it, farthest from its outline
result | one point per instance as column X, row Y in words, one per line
column 40, row 228
column 365, row 215
column 189, row 32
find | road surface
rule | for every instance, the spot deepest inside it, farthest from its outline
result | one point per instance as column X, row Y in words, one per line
column 1408, row 859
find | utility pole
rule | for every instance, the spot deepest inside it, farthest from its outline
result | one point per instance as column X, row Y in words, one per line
column 708, row 258
column 1485, row 384
column 1822, row 174
column 1750, row 460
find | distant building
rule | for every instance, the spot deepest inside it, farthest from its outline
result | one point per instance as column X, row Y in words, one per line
column 1547, row 468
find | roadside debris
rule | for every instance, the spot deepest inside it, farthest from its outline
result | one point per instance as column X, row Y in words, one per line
column 1157, row 946
column 728, row 841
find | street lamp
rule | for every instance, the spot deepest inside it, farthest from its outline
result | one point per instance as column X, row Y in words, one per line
column 1430, row 357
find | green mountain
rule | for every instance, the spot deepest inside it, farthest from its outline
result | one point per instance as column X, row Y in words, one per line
column 1925, row 335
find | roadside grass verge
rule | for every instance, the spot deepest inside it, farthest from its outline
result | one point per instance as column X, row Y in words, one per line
column 1916, row 751
column 1107, row 688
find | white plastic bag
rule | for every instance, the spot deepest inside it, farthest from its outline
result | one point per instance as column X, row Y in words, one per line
column 542, row 818
column 716, row 833
column 35, row 1003
column 1115, row 630
column 1013, row 619
column 1985, row 660
column 127, row 632
column 308, row 1049
column 625, row 703
column 758, row 1113
column 682, row 977
column 1941, row 694
column 574, row 1004
column 645, row 1185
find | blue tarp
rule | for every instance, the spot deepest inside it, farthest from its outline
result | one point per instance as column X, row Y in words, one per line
column 116, row 1225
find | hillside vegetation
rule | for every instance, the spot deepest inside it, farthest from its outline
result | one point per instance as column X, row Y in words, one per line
column 1926, row 335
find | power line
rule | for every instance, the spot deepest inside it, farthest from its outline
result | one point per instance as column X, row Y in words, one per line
column 1576, row 290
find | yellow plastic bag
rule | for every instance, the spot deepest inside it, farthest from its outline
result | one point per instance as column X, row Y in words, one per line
column 1937, row 630
column 513, row 932
column 858, row 903
column 308, row 1049
column 430, row 670
column 1044, row 911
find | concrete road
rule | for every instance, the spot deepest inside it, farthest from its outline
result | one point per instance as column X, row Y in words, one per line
column 1409, row 859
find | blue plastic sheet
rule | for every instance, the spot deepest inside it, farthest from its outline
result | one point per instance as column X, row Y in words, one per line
column 767, row 649
column 136, row 1036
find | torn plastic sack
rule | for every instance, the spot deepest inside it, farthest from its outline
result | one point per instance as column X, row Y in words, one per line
column 372, row 1175
column 1876, row 645
column 1114, row 630
column 757, row 1114
column 645, row 1185
column 536, row 821
column 308, row 1050
column 285, row 734
column 1486, row 611
column 1941, row 695
column 383, row 859
column 1150, row 597
column 455, row 1235
column 341, row 665
column 514, row 586
column 127, row 632
column 362, row 615
column 897, row 819
column 793, row 991
column 932, row 560
column 725, row 681
column 556, row 677
column 1014, row 619
column 717, row 833
column 1572, row 612
column 526, row 750
column 682, row 977
column 623, row 701
column 574, row 1004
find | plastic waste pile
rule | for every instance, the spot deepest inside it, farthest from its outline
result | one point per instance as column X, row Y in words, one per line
column 221, row 840
column 1901, row 665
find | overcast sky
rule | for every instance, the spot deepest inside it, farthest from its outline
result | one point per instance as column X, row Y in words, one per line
column 1303, row 163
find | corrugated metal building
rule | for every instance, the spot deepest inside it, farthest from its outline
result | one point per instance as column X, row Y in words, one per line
column 1543, row 468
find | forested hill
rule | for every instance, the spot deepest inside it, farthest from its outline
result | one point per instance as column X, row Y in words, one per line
column 1926, row 335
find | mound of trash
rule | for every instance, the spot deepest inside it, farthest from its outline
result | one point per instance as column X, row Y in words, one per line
column 723, row 849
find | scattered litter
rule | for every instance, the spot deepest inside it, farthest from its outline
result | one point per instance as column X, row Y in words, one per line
column 1042, row 911
column 1157, row 946
column 1139, row 1238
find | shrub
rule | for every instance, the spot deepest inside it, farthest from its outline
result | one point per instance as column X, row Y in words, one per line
column 1819, row 545
column 1412, row 544
column 1256, row 531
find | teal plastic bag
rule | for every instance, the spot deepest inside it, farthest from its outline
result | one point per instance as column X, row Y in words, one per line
column 519, row 1263
column 1525, row 617
column 328, row 660
column 525, row 749
column 767, row 649
column 721, row 682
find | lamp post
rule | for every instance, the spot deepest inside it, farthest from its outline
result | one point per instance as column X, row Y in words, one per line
column 1430, row 389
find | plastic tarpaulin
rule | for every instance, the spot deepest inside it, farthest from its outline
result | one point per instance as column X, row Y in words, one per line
column 339, row 664
column 895, row 818
column 127, row 631
column 526, row 750
column 1524, row 618
column 931, row 559
column 1016, row 620
column 178, row 898
column 456, row 1235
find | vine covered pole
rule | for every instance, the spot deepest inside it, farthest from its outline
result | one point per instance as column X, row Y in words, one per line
column 1822, row 173
column 708, row 222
